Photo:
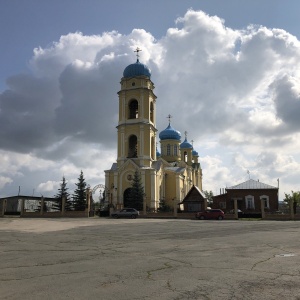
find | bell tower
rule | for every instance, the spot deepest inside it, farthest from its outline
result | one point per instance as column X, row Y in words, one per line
column 137, row 116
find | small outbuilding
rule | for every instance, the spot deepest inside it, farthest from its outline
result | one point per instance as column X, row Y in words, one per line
column 194, row 200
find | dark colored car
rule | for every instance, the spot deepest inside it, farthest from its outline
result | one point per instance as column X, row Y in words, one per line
column 126, row 213
column 217, row 214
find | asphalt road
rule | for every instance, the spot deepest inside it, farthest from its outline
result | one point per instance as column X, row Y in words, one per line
column 148, row 259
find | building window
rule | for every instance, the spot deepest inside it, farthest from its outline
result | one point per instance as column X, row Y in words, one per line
column 133, row 109
column 185, row 156
column 153, row 147
column 222, row 205
column 151, row 112
column 250, row 202
column 266, row 201
column 132, row 146
column 168, row 149
column 175, row 150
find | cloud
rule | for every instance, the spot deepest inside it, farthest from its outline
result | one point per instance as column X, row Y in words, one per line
column 236, row 92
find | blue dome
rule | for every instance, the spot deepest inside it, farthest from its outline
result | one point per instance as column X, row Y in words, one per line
column 195, row 153
column 186, row 145
column 170, row 134
column 136, row 69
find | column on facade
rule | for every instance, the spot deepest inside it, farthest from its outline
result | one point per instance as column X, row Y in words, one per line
column 3, row 207
column 22, row 206
column 262, row 208
column 177, row 199
column 236, row 216
column 115, row 190
column 205, row 203
column 42, row 206
column 144, row 205
column 88, row 200
column 153, row 196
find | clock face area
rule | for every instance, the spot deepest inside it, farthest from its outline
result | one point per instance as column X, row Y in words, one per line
column 129, row 177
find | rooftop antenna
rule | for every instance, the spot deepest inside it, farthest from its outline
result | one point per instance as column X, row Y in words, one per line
column 169, row 117
column 248, row 173
column 137, row 53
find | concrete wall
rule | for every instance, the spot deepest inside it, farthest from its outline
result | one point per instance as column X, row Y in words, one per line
column 56, row 214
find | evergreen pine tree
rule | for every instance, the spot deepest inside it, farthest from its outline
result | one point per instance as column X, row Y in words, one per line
column 136, row 195
column 79, row 196
column 63, row 192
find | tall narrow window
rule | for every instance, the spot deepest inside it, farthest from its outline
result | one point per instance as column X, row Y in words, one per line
column 132, row 146
column 185, row 156
column 168, row 149
column 250, row 202
column 266, row 201
column 133, row 109
column 151, row 112
column 175, row 150
column 152, row 147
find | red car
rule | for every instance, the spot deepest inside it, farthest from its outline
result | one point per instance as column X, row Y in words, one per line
column 217, row 214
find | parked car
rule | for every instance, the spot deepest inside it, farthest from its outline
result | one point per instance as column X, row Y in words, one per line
column 217, row 214
column 126, row 213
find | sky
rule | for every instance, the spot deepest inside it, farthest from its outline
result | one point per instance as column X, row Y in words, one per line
column 227, row 71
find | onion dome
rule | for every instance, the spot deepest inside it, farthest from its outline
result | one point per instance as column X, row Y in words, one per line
column 136, row 69
column 186, row 145
column 195, row 153
column 170, row 134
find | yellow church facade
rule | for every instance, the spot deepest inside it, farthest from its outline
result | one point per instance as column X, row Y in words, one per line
column 167, row 176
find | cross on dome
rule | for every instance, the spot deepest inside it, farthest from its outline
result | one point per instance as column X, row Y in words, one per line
column 169, row 117
column 185, row 133
column 137, row 53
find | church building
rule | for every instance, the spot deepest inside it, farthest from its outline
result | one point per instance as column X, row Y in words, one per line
column 167, row 176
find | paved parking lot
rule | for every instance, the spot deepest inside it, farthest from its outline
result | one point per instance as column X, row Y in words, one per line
column 148, row 259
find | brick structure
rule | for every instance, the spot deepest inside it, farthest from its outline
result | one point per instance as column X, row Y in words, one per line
column 249, row 195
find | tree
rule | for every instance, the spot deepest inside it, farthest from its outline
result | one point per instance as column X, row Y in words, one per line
column 209, row 196
column 163, row 207
column 79, row 196
column 294, row 197
column 136, row 194
column 63, row 192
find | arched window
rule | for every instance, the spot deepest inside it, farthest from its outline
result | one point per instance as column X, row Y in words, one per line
column 133, row 109
column 151, row 112
column 132, row 146
column 168, row 149
column 185, row 156
column 152, row 147
column 175, row 150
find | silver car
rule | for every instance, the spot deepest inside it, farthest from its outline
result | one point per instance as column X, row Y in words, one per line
column 126, row 213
